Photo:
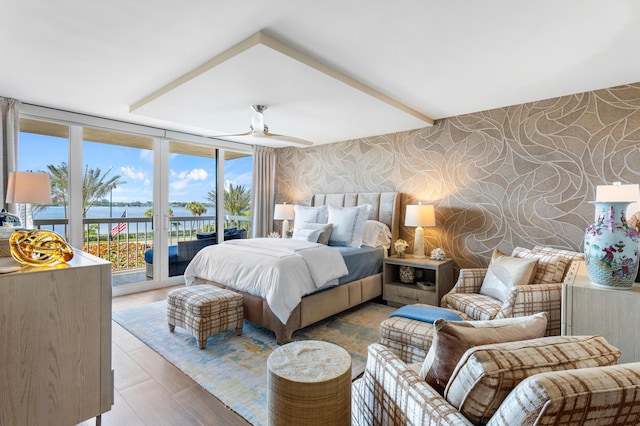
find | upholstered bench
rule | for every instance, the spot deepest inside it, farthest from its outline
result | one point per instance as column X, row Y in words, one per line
column 409, row 338
column 204, row 310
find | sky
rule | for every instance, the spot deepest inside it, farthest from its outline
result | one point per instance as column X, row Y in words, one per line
column 190, row 177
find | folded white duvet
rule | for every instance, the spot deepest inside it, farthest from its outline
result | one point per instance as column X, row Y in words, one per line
column 279, row 270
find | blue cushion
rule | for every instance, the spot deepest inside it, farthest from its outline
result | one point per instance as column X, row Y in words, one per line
column 425, row 313
column 173, row 255
column 205, row 235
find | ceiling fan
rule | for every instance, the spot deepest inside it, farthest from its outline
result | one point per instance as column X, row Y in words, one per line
column 261, row 130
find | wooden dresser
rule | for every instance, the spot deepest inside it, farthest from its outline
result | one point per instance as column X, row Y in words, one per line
column 55, row 343
column 588, row 309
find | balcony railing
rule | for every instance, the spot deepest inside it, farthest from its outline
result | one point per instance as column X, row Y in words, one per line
column 126, row 249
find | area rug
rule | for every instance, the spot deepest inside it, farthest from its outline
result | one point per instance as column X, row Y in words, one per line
column 233, row 368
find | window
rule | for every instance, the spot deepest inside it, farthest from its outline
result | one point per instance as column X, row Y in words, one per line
column 128, row 172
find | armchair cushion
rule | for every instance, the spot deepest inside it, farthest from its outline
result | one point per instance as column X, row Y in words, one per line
column 486, row 374
column 606, row 395
column 451, row 339
column 506, row 272
column 550, row 267
column 475, row 306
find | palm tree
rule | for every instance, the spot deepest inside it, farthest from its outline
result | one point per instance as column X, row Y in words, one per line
column 237, row 199
column 95, row 185
column 196, row 208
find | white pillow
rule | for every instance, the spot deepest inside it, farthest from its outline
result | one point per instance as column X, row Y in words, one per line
column 324, row 228
column 307, row 234
column 506, row 272
column 376, row 234
column 308, row 214
column 348, row 225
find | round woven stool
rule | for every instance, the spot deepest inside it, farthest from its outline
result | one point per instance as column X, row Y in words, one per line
column 309, row 383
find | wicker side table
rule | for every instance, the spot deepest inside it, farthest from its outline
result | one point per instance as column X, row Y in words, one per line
column 309, row 383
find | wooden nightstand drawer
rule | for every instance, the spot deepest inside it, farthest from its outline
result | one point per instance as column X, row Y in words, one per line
column 407, row 294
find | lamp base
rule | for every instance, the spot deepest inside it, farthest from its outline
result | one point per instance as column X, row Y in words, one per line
column 418, row 244
column 285, row 228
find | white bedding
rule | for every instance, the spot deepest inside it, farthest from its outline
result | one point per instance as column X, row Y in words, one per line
column 279, row 270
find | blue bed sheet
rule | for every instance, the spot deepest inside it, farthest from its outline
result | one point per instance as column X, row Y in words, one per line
column 361, row 262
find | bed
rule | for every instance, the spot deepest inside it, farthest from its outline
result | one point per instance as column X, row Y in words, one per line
column 338, row 295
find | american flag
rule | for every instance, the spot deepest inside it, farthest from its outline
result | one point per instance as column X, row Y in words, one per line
column 120, row 226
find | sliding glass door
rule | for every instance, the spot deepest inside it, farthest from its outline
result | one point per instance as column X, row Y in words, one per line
column 145, row 199
column 192, row 211
column 117, row 198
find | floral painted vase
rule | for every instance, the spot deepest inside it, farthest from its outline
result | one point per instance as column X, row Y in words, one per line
column 611, row 247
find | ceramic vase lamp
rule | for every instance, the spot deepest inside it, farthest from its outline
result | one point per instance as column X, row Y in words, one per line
column 419, row 215
column 284, row 212
column 610, row 245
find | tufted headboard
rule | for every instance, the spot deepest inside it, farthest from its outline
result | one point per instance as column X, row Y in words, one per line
column 385, row 206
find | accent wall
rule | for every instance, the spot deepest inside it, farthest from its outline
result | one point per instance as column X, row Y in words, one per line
column 516, row 176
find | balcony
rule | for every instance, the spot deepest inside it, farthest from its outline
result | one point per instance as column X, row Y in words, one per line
column 126, row 250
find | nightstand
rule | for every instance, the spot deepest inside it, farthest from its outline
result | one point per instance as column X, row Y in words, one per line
column 436, row 274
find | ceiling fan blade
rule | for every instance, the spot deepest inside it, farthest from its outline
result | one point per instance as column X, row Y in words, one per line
column 249, row 133
column 285, row 138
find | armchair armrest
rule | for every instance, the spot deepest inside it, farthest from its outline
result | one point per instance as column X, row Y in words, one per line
column 390, row 392
column 533, row 298
column 469, row 280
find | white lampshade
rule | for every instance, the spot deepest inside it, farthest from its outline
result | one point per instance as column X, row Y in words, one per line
column 29, row 187
column 284, row 212
column 419, row 215
column 618, row 193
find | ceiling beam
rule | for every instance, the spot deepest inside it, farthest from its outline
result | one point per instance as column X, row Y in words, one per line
column 277, row 45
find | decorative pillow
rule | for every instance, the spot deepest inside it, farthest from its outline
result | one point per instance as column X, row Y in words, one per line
column 308, row 214
column 506, row 272
column 376, row 234
column 325, row 231
column 486, row 374
column 496, row 254
column 348, row 225
column 307, row 234
column 451, row 339
column 550, row 268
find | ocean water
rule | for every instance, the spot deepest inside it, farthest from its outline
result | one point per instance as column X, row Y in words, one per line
column 102, row 212
column 56, row 212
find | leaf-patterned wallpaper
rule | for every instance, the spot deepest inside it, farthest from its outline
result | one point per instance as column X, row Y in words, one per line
column 515, row 176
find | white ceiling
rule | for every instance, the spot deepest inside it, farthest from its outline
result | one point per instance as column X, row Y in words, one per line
column 436, row 58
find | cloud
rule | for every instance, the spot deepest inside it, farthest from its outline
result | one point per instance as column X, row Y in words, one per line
column 131, row 173
column 185, row 177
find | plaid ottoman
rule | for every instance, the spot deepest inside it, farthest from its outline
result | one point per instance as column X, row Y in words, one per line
column 410, row 339
column 204, row 310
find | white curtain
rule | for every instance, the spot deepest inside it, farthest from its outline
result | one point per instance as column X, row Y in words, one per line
column 10, row 125
column 263, row 190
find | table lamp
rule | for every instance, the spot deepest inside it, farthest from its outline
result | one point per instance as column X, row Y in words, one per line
column 285, row 213
column 420, row 215
column 28, row 188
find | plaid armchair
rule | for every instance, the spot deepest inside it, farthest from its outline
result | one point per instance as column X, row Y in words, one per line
column 552, row 380
column 545, row 294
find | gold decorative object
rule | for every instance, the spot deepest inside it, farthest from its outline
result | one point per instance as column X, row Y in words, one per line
column 39, row 247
